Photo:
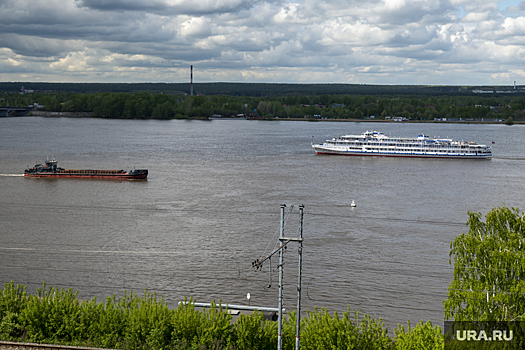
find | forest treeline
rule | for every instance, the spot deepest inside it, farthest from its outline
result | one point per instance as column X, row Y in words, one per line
column 176, row 105
column 252, row 89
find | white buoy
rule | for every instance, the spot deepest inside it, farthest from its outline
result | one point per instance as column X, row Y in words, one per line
column 353, row 204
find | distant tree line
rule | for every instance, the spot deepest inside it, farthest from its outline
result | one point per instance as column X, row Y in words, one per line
column 178, row 105
column 254, row 89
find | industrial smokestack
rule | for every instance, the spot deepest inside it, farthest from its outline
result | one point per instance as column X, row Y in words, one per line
column 191, row 81
column 514, row 84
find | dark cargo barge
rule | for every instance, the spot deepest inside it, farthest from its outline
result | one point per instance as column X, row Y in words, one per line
column 50, row 169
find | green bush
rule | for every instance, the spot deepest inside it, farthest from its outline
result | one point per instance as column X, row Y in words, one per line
column 52, row 315
column 322, row 331
column 12, row 298
column 254, row 332
column 421, row 337
column 12, row 301
column 9, row 327
column 145, row 322
column 210, row 328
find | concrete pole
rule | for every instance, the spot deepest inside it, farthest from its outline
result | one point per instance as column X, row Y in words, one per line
column 281, row 262
column 298, row 328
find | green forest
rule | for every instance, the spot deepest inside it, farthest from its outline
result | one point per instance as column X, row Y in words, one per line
column 271, row 101
column 145, row 105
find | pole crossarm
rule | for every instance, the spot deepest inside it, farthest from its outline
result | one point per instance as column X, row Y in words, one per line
column 258, row 263
column 288, row 239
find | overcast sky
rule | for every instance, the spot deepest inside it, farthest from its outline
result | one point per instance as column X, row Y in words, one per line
column 445, row 42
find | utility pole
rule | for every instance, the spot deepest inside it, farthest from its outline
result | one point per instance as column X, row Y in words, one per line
column 300, row 250
column 281, row 263
column 257, row 264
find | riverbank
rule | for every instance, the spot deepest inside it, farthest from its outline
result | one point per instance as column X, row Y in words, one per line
column 90, row 115
column 62, row 114
column 398, row 122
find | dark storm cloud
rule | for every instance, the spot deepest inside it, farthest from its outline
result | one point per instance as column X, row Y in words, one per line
column 168, row 7
column 423, row 12
column 34, row 46
column 163, row 51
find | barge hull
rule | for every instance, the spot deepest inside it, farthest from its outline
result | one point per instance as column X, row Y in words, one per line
column 92, row 176
column 50, row 169
column 400, row 155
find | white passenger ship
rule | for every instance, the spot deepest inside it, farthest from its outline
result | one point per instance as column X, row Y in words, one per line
column 373, row 143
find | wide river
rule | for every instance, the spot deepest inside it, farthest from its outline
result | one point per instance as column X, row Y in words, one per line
column 211, row 206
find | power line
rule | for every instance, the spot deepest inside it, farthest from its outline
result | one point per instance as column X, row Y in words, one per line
column 138, row 252
column 487, row 291
column 144, row 252
column 192, row 292
column 369, row 269
column 333, row 284
column 276, row 232
column 376, row 262
column 434, row 222
column 141, row 209
column 210, row 211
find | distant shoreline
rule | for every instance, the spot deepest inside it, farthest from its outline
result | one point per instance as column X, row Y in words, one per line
column 90, row 115
column 397, row 122
column 62, row 114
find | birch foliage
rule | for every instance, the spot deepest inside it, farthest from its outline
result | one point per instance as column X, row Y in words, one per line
column 489, row 269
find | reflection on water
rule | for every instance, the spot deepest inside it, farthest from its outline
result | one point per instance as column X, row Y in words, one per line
column 211, row 207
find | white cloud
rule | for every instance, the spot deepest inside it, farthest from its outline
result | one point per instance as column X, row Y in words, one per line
column 476, row 17
column 518, row 72
column 377, row 41
column 196, row 27
column 355, row 34
column 512, row 27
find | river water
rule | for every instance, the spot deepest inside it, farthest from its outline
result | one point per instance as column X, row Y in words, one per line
column 211, row 205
